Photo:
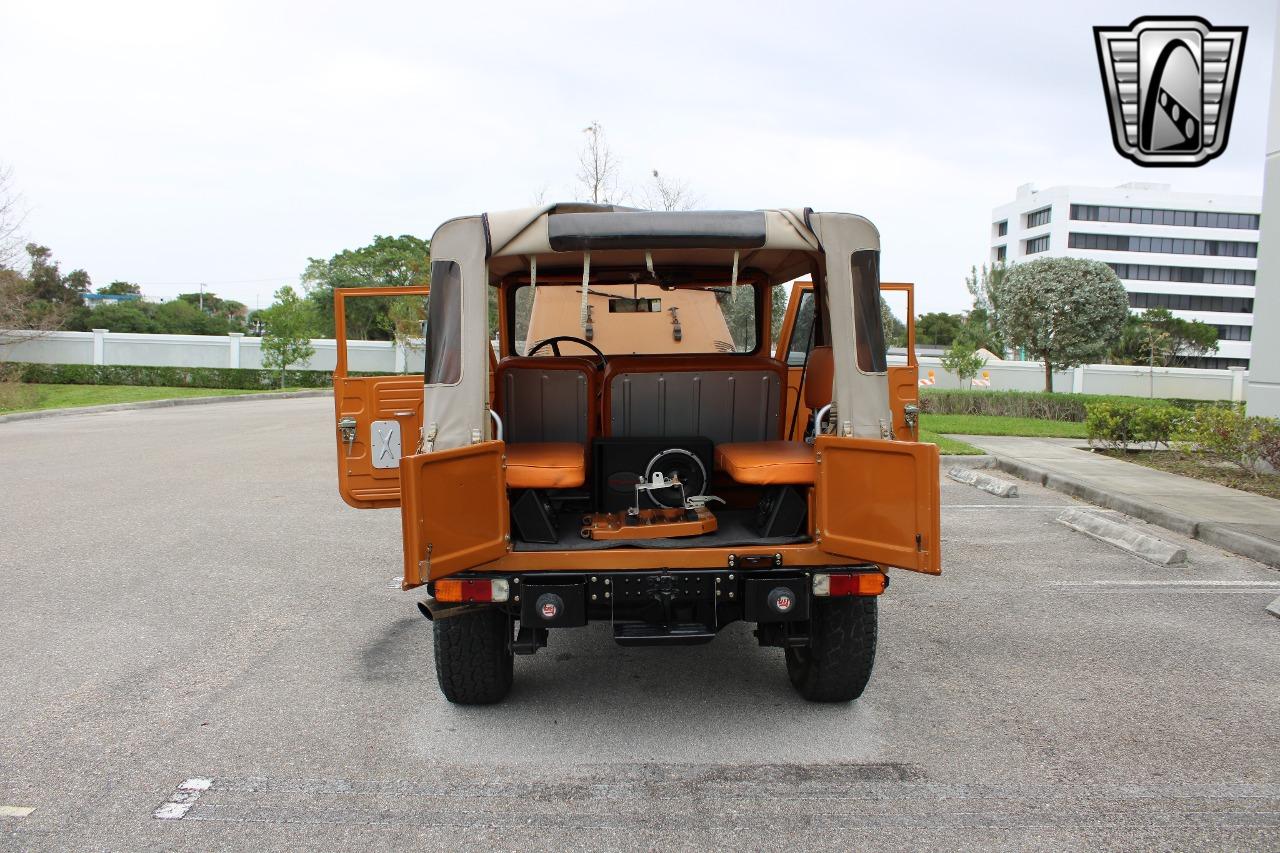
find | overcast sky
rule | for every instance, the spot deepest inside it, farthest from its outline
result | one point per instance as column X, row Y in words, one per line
column 177, row 143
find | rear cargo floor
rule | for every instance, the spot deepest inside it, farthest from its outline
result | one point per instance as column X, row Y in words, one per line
column 736, row 529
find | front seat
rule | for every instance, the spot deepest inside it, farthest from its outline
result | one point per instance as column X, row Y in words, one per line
column 782, row 463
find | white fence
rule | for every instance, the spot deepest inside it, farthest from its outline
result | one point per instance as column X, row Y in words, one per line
column 234, row 350
column 103, row 347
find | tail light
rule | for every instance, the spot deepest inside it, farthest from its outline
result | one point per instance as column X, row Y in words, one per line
column 452, row 589
column 849, row 583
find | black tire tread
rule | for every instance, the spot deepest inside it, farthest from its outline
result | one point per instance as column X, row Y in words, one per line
column 474, row 664
column 837, row 665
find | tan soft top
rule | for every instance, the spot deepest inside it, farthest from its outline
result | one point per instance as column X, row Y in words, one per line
column 777, row 245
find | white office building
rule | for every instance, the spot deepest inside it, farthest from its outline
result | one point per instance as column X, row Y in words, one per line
column 1192, row 253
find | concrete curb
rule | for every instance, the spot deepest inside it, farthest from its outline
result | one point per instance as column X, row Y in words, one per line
column 1212, row 533
column 1274, row 608
column 1124, row 537
column 967, row 461
column 163, row 404
column 992, row 485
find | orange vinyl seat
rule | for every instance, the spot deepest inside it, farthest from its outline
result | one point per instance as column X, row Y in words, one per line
column 767, row 463
column 546, row 465
column 782, row 463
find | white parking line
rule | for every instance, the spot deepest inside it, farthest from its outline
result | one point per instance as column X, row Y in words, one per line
column 16, row 811
column 181, row 801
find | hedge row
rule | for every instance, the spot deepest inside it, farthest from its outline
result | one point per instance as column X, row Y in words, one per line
column 171, row 377
column 1031, row 404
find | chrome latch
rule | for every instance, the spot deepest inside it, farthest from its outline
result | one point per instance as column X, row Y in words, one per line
column 347, row 429
column 911, row 414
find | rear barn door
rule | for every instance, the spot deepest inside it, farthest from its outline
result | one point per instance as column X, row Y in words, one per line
column 454, row 511
column 377, row 419
column 878, row 501
column 904, row 379
column 795, row 339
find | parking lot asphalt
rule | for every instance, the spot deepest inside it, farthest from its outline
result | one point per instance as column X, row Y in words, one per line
column 183, row 596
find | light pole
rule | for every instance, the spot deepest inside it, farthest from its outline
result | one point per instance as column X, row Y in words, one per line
column 202, row 297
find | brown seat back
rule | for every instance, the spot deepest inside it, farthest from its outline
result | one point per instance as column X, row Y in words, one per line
column 547, row 399
column 819, row 376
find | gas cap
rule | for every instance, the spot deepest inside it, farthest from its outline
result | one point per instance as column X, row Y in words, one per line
column 782, row 599
column 549, row 605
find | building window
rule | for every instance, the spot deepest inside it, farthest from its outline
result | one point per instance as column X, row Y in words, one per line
column 1162, row 245
column 1153, row 216
column 1001, row 252
column 1195, row 275
column 1192, row 302
column 1039, row 244
column 1036, row 218
column 1002, row 228
column 1214, row 363
column 1235, row 333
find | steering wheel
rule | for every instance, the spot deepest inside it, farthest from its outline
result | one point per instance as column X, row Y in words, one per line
column 555, row 342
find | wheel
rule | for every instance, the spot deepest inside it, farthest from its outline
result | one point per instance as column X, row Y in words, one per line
column 837, row 663
column 473, row 656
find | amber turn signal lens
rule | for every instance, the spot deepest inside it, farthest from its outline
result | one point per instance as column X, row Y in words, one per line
column 453, row 590
column 859, row 583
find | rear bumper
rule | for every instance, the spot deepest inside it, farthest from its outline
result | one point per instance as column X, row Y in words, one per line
column 663, row 607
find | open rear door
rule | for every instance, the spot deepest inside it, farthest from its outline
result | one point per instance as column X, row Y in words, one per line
column 878, row 501
column 795, row 339
column 904, row 380
column 454, row 510
column 377, row 418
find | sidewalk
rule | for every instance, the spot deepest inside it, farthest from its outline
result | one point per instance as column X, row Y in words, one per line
column 1237, row 521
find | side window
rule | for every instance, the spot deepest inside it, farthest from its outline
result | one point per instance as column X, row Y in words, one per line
column 443, row 332
column 868, row 329
column 802, row 332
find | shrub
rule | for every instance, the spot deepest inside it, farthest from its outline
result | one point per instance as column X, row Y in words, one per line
column 1032, row 404
column 1227, row 434
column 1115, row 425
column 174, row 377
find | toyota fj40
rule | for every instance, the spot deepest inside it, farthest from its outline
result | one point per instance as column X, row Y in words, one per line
column 639, row 450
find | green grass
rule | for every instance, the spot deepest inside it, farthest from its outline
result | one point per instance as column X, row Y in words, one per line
column 26, row 398
column 996, row 425
column 949, row 446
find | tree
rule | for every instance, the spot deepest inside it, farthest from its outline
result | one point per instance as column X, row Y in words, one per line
column 1158, row 339
column 983, row 327
column 963, row 361
column 1064, row 311
column 386, row 262
column 895, row 331
column 48, row 282
column 120, row 288
column 290, row 323
column 668, row 194
column 598, row 167
column 939, row 328
column 11, row 220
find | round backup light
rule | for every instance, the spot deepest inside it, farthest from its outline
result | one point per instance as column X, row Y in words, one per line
column 782, row 599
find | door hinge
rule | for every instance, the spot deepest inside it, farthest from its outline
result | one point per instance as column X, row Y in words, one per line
column 919, row 542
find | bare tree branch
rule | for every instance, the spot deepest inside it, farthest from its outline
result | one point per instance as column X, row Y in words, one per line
column 598, row 167
column 668, row 194
column 12, row 217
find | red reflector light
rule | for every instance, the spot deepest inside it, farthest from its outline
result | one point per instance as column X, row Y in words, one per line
column 862, row 583
column 464, row 590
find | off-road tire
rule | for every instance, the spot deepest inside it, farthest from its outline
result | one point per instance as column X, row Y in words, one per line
column 473, row 656
column 836, row 665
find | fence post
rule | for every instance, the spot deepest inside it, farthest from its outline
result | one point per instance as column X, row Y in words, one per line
column 1237, row 383
column 99, row 346
column 1077, row 380
column 233, row 355
column 401, row 365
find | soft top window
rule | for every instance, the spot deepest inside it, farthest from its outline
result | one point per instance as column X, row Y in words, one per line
column 624, row 319
column 868, row 328
column 443, row 332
